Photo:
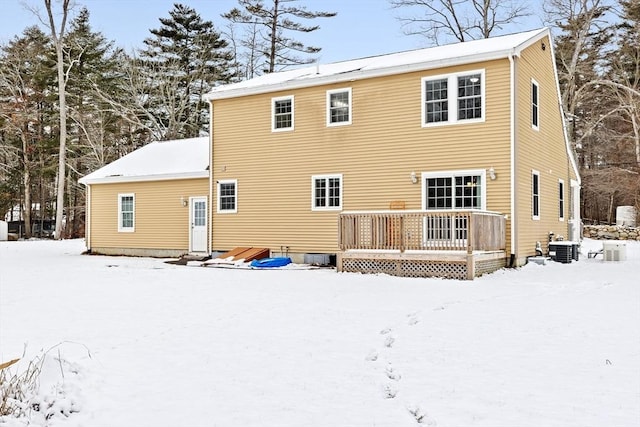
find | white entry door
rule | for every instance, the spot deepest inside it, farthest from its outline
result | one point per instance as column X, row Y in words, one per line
column 198, row 224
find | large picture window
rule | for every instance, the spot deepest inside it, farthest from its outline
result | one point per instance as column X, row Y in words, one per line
column 126, row 212
column 282, row 114
column 326, row 192
column 339, row 107
column 227, row 196
column 454, row 190
column 454, row 98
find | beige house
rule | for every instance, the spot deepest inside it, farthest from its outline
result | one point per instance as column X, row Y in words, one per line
column 151, row 202
column 448, row 161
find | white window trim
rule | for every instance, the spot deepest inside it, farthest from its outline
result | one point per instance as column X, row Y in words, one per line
column 562, row 215
column 313, row 192
column 121, row 228
column 452, row 88
column 273, row 113
column 536, row 217
column 331, row 92
column 218, row 207
column 535, row 106
column 452, row 174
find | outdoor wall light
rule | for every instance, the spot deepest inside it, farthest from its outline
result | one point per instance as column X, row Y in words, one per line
column 414, row 178
column 184, row 201
column 492, row 173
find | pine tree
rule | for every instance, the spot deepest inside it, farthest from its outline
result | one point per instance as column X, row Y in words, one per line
column 625, row 82
column 185, row 58
column 276, row 19
column 94, row 135
column 26, row 113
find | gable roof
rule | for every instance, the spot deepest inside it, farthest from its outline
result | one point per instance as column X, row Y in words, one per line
column 375, row 66
column 159, row 160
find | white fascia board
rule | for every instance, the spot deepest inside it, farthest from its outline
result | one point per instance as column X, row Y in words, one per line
column 535, row 38
column 357, row 75
column 143, row 178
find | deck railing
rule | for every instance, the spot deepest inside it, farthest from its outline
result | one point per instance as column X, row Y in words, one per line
column 467, row 230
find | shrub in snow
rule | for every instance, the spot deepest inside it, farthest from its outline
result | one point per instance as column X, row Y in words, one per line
column 38, row 391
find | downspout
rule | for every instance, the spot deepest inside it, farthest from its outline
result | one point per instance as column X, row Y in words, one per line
column 512, row 135
column 210, row 222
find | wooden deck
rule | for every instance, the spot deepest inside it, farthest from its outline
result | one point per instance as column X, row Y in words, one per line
column 453, row 244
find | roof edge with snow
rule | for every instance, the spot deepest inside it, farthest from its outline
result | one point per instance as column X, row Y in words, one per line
column 383, row 65
column 159, row 177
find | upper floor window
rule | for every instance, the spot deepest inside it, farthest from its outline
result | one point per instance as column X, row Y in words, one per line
column 535, row 194
column 126, row 212
column 227, row 196
column 282, row 113
column 326, row 192
column 339, row 107
column 453, row 98
column 469, row 97
column 535, row 105
column 454, row 190
column 436, row 104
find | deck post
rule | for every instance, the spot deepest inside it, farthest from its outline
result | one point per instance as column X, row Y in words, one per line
column 471, row 267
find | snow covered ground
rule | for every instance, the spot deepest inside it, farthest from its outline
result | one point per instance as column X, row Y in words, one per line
column 138, row 342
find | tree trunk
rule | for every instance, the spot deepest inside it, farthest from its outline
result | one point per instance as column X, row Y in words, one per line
column 62, row 84
column 26, row 182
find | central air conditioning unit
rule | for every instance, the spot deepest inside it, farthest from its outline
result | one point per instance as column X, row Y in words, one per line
column 614, row 251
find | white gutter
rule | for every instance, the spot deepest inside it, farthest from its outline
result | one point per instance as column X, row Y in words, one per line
column 210, row 204
column 512, row 136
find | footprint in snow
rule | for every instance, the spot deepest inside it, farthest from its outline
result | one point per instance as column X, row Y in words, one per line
column 391, row 374
column 389, row 391
column 385, row 331
column 421, row 416
column 389, row 342
column 413, row 320
column 372, row 356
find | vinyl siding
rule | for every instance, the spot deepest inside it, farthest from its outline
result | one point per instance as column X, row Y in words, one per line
column 161, row 222
column 543, row 150
column 375, row 154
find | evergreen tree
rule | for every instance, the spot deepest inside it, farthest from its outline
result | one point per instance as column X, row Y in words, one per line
column 94, row 129
column 26, row 112
column 276, row 19
column 183, row 61
column 625, row 84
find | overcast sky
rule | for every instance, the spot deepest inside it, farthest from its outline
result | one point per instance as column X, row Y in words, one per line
column 362, row 27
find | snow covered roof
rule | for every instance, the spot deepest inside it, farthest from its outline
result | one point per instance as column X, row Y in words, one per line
column 160, row 160
column 375, row 66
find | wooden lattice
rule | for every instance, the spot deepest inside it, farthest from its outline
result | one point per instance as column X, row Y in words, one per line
column 406, row 268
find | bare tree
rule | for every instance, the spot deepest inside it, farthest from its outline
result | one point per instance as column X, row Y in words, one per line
column 150, row 99
column 461, row 20
column 57, row 34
